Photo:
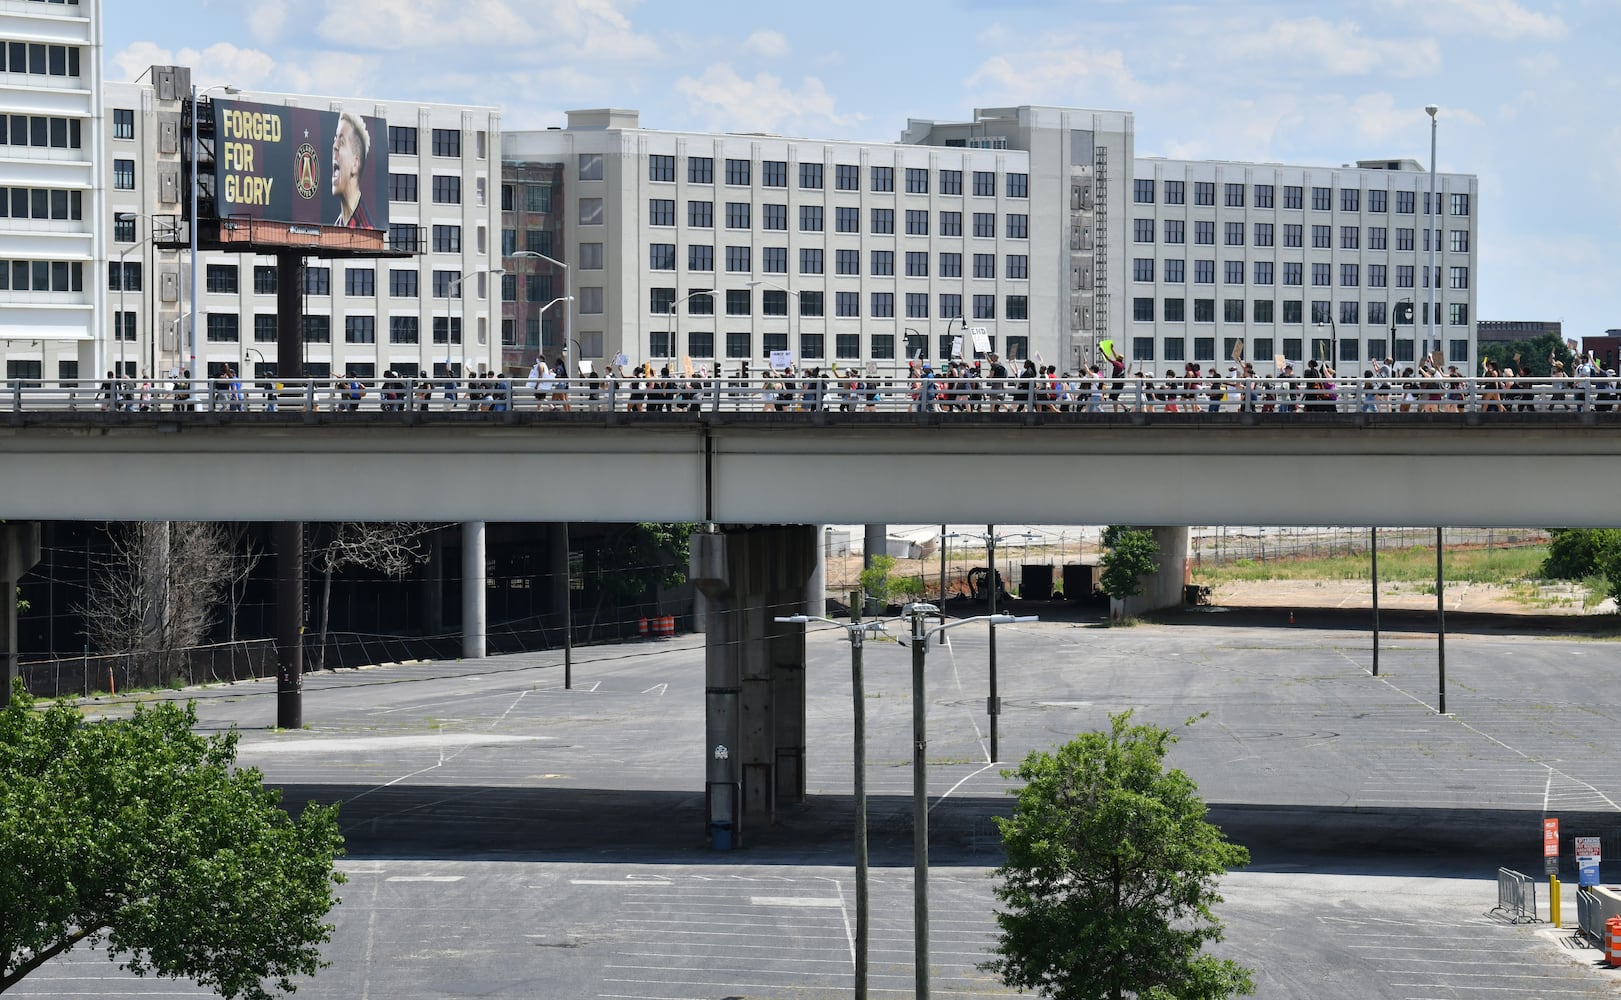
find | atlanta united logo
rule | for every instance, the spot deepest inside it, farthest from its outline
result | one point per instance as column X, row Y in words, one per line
column 304, row 171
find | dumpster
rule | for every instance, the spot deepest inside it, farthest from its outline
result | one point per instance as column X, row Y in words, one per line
column 1080, row 581
column 1036, row 582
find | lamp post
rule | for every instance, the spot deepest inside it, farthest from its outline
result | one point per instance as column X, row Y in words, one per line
column 793, row 321
column 453, row 289
column 1333, row 337
column 123, row 282
column 921, row 633
column 857, row 631
column 1430, row 233
column 568, row 296
column 195, row 93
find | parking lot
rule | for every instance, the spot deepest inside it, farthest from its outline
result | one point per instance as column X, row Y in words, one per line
column 511, row 838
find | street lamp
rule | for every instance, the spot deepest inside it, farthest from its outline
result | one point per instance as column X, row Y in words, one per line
column 857, row 633
column 568, row 296
column 993, row 704
column 919, row 614
column 793, row 321
column 453, row 289
column 1334, row 337
column 123, row 281
column 195, row 93
column 1431, row 234
column 1395, row 318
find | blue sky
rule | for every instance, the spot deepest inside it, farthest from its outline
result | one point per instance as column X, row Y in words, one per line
column 1527, row 89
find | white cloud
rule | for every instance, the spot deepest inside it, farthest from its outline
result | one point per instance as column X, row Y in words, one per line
column 1337, row 49
column 767, row 43
column 1504, row 20
column 571, row 29
column 343, row 73
column 762, row 104
column 1078, row 76
column 220, row 63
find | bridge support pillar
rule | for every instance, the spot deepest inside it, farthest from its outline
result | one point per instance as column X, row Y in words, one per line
column 287, row 537
column 1164, row 587
column 816, row 583
column 874, row 542
column 473, row 590
column 754, row 692
column 19, row 551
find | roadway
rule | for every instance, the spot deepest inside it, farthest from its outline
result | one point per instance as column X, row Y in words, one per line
column 510, row 838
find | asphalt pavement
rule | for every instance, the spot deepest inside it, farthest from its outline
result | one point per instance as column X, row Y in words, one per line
column 510, row 838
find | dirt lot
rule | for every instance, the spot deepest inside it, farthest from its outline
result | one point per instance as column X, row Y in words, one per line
column 1561, row 599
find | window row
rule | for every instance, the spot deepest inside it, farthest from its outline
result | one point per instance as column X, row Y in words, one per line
column 846, row 219
column 1294, row 349
column 814, row 260
column 1292, row 312
column 813, row 176
column 846, row 305
column 39, row 59
column 402, row 139
column 41, row 203
column 1293, row 197
column 46, row 276
column 1266, row 272
column 1293, row 235
column 41, row 130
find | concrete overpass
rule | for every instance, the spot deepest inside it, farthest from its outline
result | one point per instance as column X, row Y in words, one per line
column 739, row 469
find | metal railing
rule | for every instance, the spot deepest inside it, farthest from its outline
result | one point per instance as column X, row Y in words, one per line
column 845, row 395
column 1516, row 897
column 1590, row 916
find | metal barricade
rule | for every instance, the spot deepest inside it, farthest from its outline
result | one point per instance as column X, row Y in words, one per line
column 1590, row 916
column 1516, row 897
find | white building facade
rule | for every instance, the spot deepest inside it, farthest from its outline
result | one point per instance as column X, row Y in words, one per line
column 723, row 249
column 51, row 210
column 433, row 312
column 1253, row 260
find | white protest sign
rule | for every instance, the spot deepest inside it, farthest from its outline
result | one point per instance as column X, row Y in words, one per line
column 781, row 359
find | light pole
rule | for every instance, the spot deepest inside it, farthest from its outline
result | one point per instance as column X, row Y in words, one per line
column 993, row 704
column 793, row 321
column 1432, row 236
column 1333, row 338
column 195, row 93
column 568, row 296
column 857, row 631
column 123, row 283
column 453, row 289
column 919, row 614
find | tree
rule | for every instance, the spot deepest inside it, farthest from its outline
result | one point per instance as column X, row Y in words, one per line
column 1111, row 874
column 1130, row 557
column 158, row 593
column 141, row 834
column 631, row 559
column 876, row 582
column 1529, row 357
column 389, row 548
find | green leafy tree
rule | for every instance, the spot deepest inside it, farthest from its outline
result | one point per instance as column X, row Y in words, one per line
column 1529, row 357
column 1129, row 557
column 1578, row 553
column 634, row 558
column 1111, row 875
column 875, row 579
column 141, row 835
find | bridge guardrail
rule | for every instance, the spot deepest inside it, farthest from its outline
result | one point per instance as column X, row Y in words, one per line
column 829, row 394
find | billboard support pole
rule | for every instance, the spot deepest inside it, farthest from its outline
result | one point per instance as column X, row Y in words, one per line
column 288, row 536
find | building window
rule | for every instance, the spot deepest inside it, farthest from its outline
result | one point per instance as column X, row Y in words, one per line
column 773, row 302
column 1322, row 275
column 447, row 142
column 1204, row 192
column 883, row 263
column 1349, row 275
column 810, row 218
column 1018, row 307
column 123, row 174
column 917, row 180
column 1204, row 310
column 1175, row 231
column 700, row 302
column 1176, row 349
column 810, row 260
column 123, row 228
column 264, row 279
column 985, row 184
column 917, row 264
column 1175, row 193
column 1263, row 196
column 1350, row 238
column 447, row 190
column 1460, row 204
column 264, row 328
column 847, row 305
column 123, row 123
column 737, row 215
column 1376, row 237
column 1176, row 310
column 917, row 222
column 1322, row 199
column 1458, row 277
column 737, row 345
column 700, row 257
column 402, row 284
column 774, row 260
column 360, row 329
column 447, row 239
column 223, row 328
column 950, row 223
column 984, row 307
column 660, row 168
column 701, row 343
column 1175, row 271
column 446, row 329
column 1292, row 234
column 917, row 305
column 1322, row 237
column 774, row 173
column 1204, row 234
column 950, row 265
column 661, row 212
column 537, row 198
column 847, row 262
column 701, row 214
column 402, row 187
column 446, row 284
column 1348, row 317
column 1142, row 348
column 1376, row 275
column 1233, row 272
column 590, row 166
column 810, row 304
column 1142, row 190
column 1263, row 314
column 883, row 305
column 1293, row 196
column 359, row 281
column 591, row 212
column 883, row 221
column 1404, row 276
column 1234, row 194
column 1350, row 200
column 1142, row 309
column 660, row 300
column 1263, row 234
column 661, row 256
column 1376, row 201
column 1143, row 230
column 1142, row 269
column 318, row 281
column 1405, row 202
column 1018, row 186
column 1018, row 266
column 847, row 219
column 402, row 139
column 810, row 176
column 774, row 217
column 1263, row 272
column 700, row 170
column 737, row 172
column 950, row 305
column 1459, row 241
column 985, row 225
column 1293, row 272
column 1320, row 311
column 1233, row 234
column 883, row 178
column 1404, row 239
column 737, row 260
column 1204, row 272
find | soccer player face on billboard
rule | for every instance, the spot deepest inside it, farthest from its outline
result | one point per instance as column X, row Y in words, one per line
column 347, row 158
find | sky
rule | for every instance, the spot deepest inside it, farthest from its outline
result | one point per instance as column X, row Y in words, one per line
column 1527, row 89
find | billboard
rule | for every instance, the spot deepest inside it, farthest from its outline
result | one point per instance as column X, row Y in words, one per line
column 299, row 166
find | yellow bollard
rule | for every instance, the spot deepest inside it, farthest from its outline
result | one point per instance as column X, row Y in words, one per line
column 1553, row 899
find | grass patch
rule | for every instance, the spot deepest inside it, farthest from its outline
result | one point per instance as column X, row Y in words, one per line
column 1497, row 565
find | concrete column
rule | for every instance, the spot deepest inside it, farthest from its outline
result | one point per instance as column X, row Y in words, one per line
column 816, row 585
column 874, row 543
column 433, row 586
column 288, row 540
column 19, row 551
column 557, row 596
column 473, row 590
column 754, row 673
column 1164, row 587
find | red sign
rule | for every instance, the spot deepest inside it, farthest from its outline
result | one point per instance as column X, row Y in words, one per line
column 1550, row 838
